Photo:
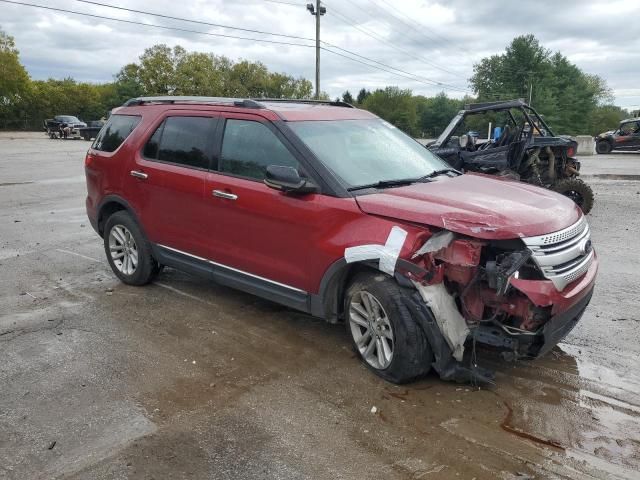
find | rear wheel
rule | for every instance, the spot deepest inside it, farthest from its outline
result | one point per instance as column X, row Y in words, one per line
column 578, row 191
column 603, row 147
column 128, row 251
column 382, row 331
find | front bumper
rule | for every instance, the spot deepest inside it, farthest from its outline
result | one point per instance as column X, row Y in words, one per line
column 567, row 307
column 558, row 327
column 531, row 346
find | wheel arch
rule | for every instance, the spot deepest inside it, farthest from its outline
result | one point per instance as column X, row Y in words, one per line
column 329, row 302
column 110, row 205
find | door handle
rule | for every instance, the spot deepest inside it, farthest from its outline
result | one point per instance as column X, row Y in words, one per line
column 227, row 195
column 138, row 174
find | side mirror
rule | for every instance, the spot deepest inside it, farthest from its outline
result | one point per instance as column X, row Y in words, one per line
column 288, row 180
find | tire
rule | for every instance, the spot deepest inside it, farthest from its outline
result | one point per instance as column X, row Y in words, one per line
column 411, row 355
column 578, row 191
column 128, row 251
column 603, row 147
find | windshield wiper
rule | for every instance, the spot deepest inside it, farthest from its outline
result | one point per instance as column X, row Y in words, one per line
column 442, row 171
column 386, row 184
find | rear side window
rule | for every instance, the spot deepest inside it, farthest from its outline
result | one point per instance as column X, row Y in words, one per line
column 116, row 130
column 248, row 148
column 186, row 141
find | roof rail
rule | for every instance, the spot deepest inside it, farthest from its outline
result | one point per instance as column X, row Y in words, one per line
column 304, row 100
column 237, row 102
column 502, row 104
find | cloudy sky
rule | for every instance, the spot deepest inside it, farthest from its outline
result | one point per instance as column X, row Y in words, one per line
column 434, row 43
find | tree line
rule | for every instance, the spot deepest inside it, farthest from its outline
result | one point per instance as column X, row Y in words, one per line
column 571, row 101
column 160, row 70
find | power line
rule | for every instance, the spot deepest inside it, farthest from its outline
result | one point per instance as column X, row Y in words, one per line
column 379, row 68
column 286, row 3
column 153, row 14
column 443, row 40
column 386, row 12
column 425, row 80
column 392, row 7
column 351, row 22
column 144, row 12
column 132, row 22
column 103, row 17
column 366, row 31
column 354, row 24
column 170, row 17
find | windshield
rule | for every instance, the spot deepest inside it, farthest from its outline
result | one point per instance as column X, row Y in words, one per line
column 363, row 152
column 68, row 119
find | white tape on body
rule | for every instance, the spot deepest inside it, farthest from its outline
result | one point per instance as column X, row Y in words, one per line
column 387, row 253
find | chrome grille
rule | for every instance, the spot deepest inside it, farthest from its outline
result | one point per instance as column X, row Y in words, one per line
column 563, row 256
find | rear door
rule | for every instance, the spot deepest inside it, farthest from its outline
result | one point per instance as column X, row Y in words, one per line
column 169, row 178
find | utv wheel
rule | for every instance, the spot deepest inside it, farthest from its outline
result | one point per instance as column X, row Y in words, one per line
column 603, row 147
column 128, row 251
column 382, row 331
column 578, row 191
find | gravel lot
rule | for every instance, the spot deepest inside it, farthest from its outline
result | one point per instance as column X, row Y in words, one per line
column 188, row 380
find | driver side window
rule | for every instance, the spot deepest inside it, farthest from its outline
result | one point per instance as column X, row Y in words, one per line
column 249, row 147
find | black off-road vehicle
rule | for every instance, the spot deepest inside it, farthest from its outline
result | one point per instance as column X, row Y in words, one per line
column 521, row 146
column 625, row 138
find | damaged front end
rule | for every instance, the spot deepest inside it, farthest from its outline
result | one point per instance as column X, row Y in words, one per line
column 520, row 297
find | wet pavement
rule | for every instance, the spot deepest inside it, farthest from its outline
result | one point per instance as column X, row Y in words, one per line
column 188, row 380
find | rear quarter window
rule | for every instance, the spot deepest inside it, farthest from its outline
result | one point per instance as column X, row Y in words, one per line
column 115, row 131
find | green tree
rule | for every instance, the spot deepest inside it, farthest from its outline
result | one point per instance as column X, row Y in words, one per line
column 362, row 95
column 348, row 98
column 395, row 106
column 559, row 90
column 435, row 113
column 156, row 72
column 14, row 82
column 605, row 118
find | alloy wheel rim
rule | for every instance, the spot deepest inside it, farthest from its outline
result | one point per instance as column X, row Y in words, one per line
column 123, row 250
column 371, row 330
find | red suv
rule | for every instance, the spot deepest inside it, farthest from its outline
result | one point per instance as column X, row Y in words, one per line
column 330, row 210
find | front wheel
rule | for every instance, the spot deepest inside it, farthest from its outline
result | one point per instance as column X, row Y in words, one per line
column 128, row 251
column 382, row 331
column 603, row 147
column 578, row 191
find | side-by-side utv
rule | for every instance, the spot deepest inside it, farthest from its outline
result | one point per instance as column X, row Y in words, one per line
column 521, row 146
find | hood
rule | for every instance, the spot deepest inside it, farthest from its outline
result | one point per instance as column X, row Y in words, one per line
column 477, row 205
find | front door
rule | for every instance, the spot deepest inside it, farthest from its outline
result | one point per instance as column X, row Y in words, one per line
column 262, row 233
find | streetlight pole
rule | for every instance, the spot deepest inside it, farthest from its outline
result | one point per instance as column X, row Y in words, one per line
column 317, row 10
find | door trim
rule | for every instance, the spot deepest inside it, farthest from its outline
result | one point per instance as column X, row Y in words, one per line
column 233, row 277
column 237, row 270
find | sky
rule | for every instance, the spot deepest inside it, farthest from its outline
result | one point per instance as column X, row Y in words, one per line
column 428, row 46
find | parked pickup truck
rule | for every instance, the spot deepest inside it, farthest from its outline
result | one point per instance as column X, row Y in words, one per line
column 63, row 126
column 91, row 130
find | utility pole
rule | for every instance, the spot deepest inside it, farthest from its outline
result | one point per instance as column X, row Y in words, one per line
column 318, row 11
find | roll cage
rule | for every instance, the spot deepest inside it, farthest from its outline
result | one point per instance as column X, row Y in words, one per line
column 532, row 117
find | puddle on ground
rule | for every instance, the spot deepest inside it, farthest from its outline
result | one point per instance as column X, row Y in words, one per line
column 616, row 176
column 585, row 411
